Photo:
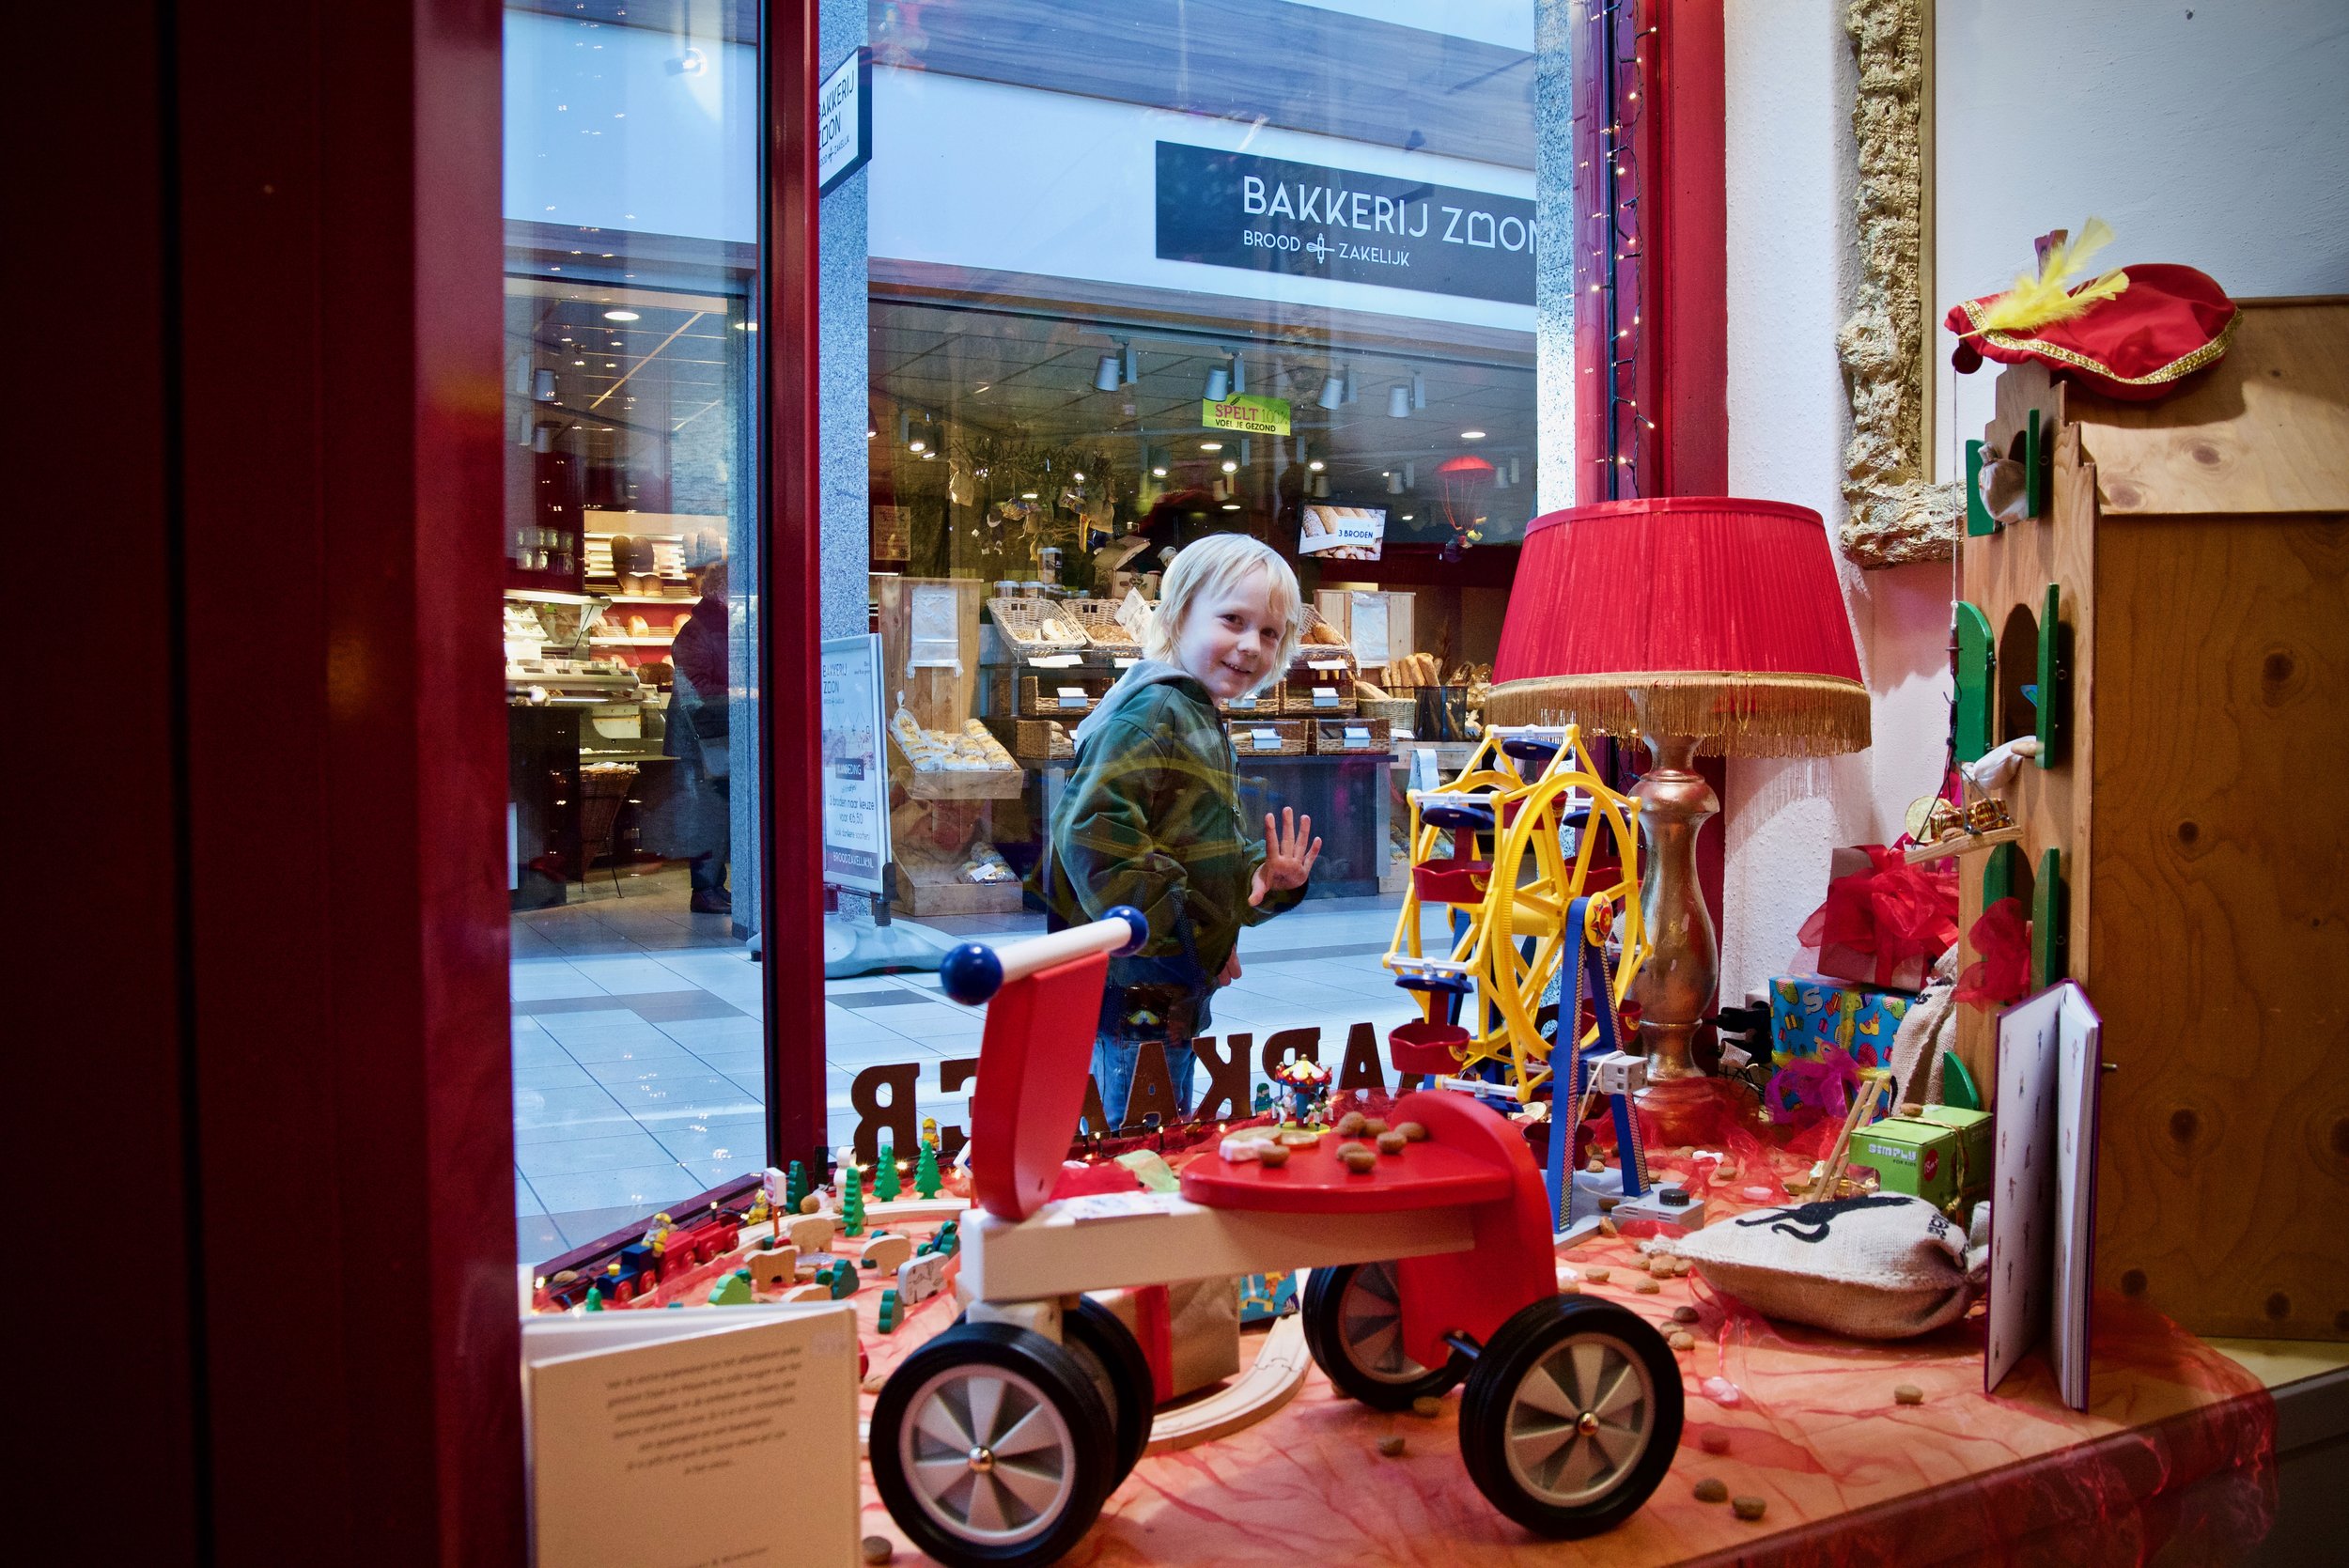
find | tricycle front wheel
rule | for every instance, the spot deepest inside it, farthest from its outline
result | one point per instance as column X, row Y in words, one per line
column 1571, row 1416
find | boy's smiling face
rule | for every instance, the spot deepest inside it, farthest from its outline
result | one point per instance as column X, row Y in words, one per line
column 1229, row 636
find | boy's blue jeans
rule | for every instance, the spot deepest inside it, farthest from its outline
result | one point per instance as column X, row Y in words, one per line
column 1114, row 1075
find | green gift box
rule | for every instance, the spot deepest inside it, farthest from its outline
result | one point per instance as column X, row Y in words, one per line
column 1973, row 1131
column 1921, row 1158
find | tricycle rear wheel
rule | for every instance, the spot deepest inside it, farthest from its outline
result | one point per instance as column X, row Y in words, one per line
column 1353, row 1328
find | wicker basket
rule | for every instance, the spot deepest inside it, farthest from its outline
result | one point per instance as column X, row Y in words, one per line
column 1268, row 737
column 1038, row 739
column 1397, row 713
column 1265, row 703
column 1320, row 640
column 1098, row 619
column 1033, row 626
column 1054, row 695
column 1322, row 693
column 1334, row 737
column 603, row 789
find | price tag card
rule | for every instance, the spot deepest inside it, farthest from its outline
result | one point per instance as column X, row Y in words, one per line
column 1126, row 664
column 1325, row 663
column 1356, row 735
column 1073, row 696
column 1053, row 661
column 1264, row 740
column 1325, row 697
column 1243, row 705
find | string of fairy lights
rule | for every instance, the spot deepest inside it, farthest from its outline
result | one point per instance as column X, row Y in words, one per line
column 1619, row 41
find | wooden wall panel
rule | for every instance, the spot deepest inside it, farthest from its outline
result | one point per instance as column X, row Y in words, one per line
column 2222, row 938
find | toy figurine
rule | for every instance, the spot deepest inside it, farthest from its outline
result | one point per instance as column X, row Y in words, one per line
column 657, row 1237
column 594, row 1297
column 1307, row 1083
column 926, row 1177
column 929, row 1132
column 886, row 1186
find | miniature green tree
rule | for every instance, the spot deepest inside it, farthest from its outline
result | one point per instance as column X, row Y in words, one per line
column 886, row 1187
column 795, row 1187
column 925, row 1181
column 852, row 1201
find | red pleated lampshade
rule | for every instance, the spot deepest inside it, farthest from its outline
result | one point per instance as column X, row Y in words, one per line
column 1697, row 615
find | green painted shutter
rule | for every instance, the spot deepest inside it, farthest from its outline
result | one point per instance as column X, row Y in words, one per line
column 1978, row 517
column 2050, row 940
column 2055, row 681
column 1977, row 670
column 1998, row 872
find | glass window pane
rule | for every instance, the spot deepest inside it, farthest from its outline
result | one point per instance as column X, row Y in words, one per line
column 631, row 207
column 1117, row 279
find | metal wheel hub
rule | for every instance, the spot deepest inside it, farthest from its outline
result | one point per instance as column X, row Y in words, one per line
column 1370, row 1321
column 988, row 1455
column 1579, row 1421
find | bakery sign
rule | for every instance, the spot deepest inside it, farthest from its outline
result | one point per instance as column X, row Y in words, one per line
column 1271, row 215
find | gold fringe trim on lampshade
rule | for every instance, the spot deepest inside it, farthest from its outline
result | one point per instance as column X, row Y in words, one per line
column 1733, row 714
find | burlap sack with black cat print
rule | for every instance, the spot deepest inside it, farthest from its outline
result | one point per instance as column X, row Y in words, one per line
column 1884, row 1267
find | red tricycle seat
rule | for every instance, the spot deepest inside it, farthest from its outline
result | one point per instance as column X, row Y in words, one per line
column 1313, row 1181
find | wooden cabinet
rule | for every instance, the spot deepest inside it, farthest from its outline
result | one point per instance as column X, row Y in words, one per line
column 2174, row 625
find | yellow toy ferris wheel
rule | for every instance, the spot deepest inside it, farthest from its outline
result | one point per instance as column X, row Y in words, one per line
column 1532, row 827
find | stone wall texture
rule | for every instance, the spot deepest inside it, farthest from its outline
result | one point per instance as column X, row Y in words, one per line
column 1895, row 515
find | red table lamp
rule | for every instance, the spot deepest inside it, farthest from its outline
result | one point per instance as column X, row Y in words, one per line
column 1697, row 624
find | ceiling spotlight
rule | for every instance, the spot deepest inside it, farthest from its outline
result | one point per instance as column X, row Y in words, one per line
column 1315, row 466
column 1321, row 487
column 917, row 444
column 1395, row 484
column 1217, row 489
column 1231, row 505
column 1218, row 385
column 1398, row 402
column 1105, row 376
column 1159, row 472
column 1230, row 467
column 1077, row 477
column 621, row 316
column 542, row 438
column 542, row 386
column 1333, row 390
column 1210, row 446
column 929, row 457
column 1027, row 495
column 1471, row 435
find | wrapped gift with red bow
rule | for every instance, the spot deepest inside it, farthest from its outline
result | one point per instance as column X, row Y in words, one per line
column 1822, row 1034
column 1884, row 921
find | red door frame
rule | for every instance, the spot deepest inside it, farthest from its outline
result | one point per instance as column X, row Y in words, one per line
column 1681, row 276
column 792, row 878
column 284, row 774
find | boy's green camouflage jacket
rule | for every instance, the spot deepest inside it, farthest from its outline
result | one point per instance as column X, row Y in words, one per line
column 1151, row 817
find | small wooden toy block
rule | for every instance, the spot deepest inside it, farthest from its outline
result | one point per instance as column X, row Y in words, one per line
column 891, row 1313
column 885, row 1251
column 808, row 1293
column 734, row 1290
column 919, row 1278
column 838, row 1277
column 778, row 1266
column 927, row 1181
column 852, row 1201
column 795, row 1187
column 810, row 1232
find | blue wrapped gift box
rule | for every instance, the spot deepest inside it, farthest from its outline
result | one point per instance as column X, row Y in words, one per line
column 1822, row 1032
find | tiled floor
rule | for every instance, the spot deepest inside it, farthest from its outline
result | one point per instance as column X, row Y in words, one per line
column 639, row 1066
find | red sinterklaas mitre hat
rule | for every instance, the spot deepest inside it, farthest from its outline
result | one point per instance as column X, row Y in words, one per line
column 2133, row 334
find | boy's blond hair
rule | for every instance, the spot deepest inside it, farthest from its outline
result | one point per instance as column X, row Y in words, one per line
column 1219, row 562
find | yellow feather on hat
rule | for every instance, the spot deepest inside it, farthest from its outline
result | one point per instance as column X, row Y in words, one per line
column 2036, row 302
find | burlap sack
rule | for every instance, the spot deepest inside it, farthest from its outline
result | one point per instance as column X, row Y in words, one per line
column 1880, row 1268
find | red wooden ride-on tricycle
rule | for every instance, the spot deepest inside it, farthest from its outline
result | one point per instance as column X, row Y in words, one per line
column 998, row 1441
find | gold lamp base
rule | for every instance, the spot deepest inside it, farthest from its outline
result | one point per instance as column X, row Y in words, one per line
column 1675, row 990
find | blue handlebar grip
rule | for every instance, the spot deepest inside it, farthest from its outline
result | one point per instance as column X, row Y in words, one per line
column 1135, row 922
column 970, row 974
